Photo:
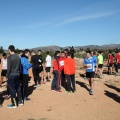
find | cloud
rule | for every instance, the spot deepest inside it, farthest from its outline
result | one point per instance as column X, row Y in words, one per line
column 35, row 25
column 85, row 17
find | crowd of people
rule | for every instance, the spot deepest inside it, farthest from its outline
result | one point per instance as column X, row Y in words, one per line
column 16, row 70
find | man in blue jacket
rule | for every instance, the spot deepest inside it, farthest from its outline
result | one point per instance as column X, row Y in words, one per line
column 25, row 66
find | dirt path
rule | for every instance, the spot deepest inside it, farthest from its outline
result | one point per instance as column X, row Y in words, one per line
column 50, row 105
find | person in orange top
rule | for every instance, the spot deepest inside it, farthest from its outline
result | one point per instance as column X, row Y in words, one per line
column 62, row 75
column 118, row 62
column 69, row 71
column 56, row 71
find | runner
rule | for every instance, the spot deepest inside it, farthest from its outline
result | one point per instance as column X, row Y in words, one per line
column 25, row 66
column 100, row 64
column 89, row 64
column 48, row 66
column 36, row 69
column 56, row 71
column 62, row 76
column 13, row 75
column 110, row 62
column 115, row 63
column 118, row 62
column 4, row 68
column 69, row 71
column 40, row 63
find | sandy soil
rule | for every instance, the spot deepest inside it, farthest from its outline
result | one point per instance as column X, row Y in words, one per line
column 50, row 105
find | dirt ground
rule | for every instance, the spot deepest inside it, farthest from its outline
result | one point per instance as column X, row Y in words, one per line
column 50, row 105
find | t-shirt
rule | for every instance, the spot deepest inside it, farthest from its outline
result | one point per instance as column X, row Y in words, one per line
column 48, row 61
column 111, row 58
column 62, row 60
column 118, row 58
column 4, row 64
column 95, row 58
column 90, row 62
column 100, row 59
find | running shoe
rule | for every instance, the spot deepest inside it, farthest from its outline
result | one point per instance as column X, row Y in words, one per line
column 11, row 106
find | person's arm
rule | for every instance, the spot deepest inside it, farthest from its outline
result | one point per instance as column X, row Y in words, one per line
column 8, row 66
column 25, row 63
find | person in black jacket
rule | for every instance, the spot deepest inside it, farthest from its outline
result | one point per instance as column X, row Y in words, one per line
column 41, row 63
column 72, row 51
column 36, row 69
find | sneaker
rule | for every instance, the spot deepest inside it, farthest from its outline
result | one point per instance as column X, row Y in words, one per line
column 20, row 103
column 35, row 86
column 11, row 106
column 74, row 91
column 58, row 90
column 26, row 99
column 101, row 77
column 67, row 92
column 91, row 92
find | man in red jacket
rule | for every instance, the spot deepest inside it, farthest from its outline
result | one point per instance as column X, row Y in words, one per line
column 69, row 71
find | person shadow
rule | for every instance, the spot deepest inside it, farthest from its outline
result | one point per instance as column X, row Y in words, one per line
column 82, row 75
column 82, row 85
column 112, row 96
column 30, row 90
column 1, row 97
column 113, row 87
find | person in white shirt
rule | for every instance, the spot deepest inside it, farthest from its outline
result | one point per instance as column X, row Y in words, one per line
column 4, row 67
column 48, row 66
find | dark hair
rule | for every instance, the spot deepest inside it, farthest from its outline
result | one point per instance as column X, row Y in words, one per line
column 110, row 51
column 88, row 51
column 56, row 52
column 20, row 51
column 94, row 53
column 26, row 51
column 39, row 50
column 68, row 54
column 100, row 52
column 47, row 53
column 63, row 52
column 4, row 54
column 12, row 48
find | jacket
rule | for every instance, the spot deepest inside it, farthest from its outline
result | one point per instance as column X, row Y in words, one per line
column 25, row 65
column 69, row 66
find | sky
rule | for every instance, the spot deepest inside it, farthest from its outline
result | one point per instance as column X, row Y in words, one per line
column 36, row 23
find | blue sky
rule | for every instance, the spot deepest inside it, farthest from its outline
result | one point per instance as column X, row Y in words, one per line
column 35, row 23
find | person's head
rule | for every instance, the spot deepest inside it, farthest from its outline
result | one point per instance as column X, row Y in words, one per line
column 88, row 54
column 39, row 52
column 21, row 52
column 94, row 53
column 4, row 55
column 27, row 52
column 66, row 51
column 110, row 52
column 68, row 55
column 116, row 51
column 11, row 49
column 57, row 53
column 47, row 53
column 32, row 53
column 100, row 52
column 62, row 54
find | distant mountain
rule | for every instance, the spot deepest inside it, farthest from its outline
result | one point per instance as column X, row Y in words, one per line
column 54, row 48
